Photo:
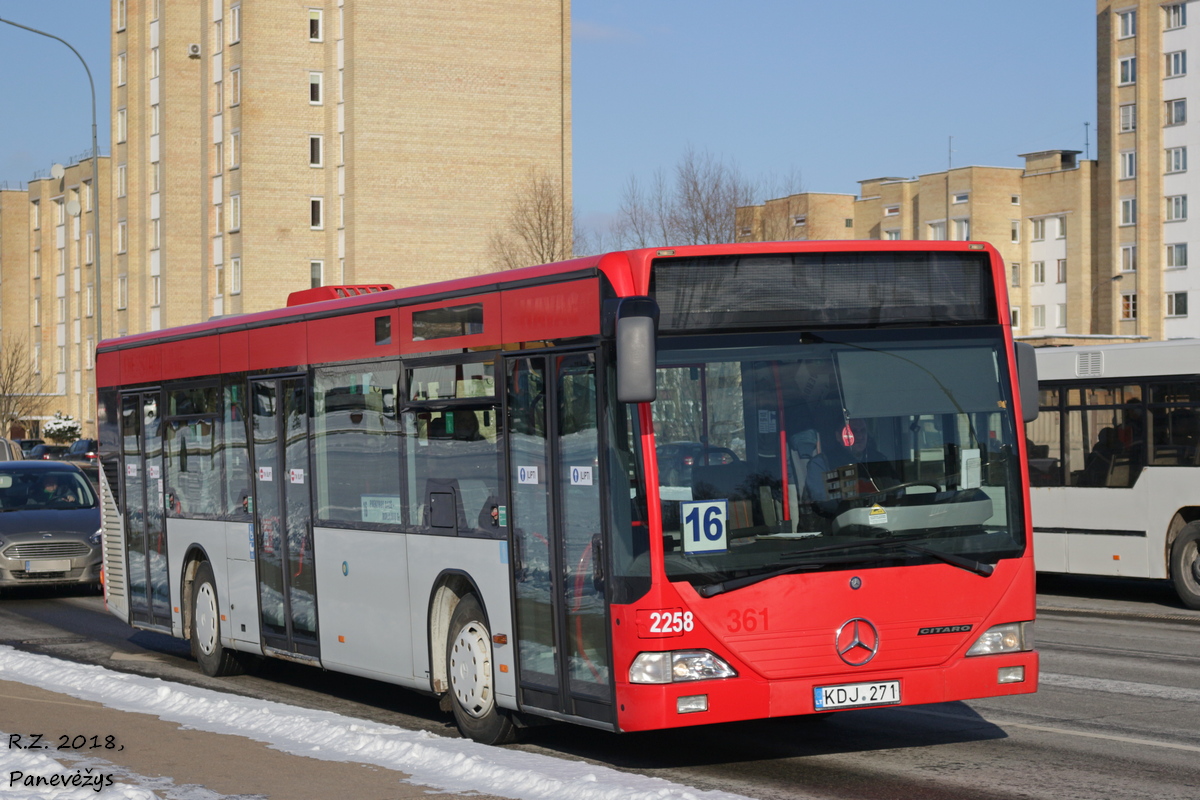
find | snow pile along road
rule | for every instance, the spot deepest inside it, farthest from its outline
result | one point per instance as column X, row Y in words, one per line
column 451, row 765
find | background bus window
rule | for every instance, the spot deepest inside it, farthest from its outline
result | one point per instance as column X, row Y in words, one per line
column 1106, row 435
column 452, row 470
column 1043, row 441
column 1174, row 424
column 356, row 444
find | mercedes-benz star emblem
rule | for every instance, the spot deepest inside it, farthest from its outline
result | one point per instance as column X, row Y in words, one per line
column 857, row 641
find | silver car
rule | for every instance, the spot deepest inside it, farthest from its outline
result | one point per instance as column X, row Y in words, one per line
column 49, row 525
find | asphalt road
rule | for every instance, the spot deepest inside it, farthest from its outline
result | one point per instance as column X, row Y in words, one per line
column 1117, row 714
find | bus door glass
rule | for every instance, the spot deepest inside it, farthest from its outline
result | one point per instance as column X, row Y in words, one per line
column 149, row 577
column 556, row 528
column 287, row 591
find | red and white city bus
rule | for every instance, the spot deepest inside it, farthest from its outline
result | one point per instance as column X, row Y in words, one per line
column 633, row 491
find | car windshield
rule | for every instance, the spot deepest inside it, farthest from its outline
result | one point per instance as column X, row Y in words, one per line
column 803, row 450
column 26, row 489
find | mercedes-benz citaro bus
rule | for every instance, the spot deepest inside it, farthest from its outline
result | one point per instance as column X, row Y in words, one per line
column 640, row 490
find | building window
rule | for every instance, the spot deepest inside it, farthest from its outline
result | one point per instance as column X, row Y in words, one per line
column 1039, row 316
column 1127, row 70
column 1129, row 258
column 1177, row 208
column 316, row 272
column 1128, row 164
column 1015, row 268
column 1128, row 117
column 1060, row 315
column 314, row 88
column 122, row 291
column 89, row 248
column 962, row 229
column 155, row 234
column 1177, row 256
column 1129, row 211
column 122, row 235
column 35, row 311
column 235, row 149
column 235, row 24
column 1176, row 304
column 1062, row 270
column 892, row 234
column 1176, row 112
column 1039, row 272
column 121, row 126
column 235, row 275
column 314, row 25
column 1129, row 305
column 1176, row 64
column 235, row 212
column 1126, row 24
column 235, row 87
column 88, row 350
column 316, row 150
column 316, row 213
column 799, row 221
column 937, row 231
column 1014, row 232
column 962, row 197
column 891, row 211
column 36, row 263
column 121, row 61
column 35, row 215
column 89, row 302
column 156, row 290
column 1039, row 229
column 218, row 36
column 1176, row 15
column 120, row 15
column 1060, row 224
column 1016, row 199
column 1015, row 317
column 1176, row 159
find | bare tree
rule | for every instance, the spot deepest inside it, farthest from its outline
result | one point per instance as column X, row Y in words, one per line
column 21, row 387
column 697, row 204
column 540, row 227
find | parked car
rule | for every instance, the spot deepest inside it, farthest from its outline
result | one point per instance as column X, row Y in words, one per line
column 28, row 444
column 49, row 525
column 10, row 451
column 46, row 452
column 82, row 450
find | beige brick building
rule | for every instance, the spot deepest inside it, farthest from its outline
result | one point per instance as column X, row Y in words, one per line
column 48, row 252
column 262, row 148
column 1039, row 218
column 1145, row 133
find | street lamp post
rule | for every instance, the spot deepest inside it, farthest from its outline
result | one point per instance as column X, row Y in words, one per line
column 96, row 225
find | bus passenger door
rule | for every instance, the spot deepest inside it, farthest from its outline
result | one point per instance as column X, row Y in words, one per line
column 555, row 510
column 149, row 576
column 287, row 590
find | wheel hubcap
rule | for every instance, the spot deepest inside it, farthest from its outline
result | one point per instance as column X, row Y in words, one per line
column 206, row 618
column 1192, row 556
column 471, row 669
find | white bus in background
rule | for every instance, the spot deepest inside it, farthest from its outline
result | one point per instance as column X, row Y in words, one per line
column 1114, row 462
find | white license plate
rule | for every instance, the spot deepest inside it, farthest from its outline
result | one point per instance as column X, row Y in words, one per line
column 852, row 695
column 57, row 565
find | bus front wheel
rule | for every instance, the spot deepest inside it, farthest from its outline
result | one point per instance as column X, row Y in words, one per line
column 215, row 660
column 1185, row 565
column 469, row 667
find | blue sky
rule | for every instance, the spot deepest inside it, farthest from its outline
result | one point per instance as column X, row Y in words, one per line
column 833, row 91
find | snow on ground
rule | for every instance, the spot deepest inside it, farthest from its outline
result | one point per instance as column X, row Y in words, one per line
column 449, row 765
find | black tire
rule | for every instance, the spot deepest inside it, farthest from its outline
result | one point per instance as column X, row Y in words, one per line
column 215, row 660
column 1185, row 565
column 469, row 672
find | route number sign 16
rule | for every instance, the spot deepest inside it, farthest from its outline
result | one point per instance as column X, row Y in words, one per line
column 705, row 526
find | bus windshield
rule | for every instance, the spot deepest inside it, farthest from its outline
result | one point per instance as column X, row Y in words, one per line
column 777, row 450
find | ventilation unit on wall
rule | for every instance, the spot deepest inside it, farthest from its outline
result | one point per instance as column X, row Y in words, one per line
column 193, row 51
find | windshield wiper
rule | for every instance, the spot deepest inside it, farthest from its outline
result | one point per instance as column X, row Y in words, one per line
column 904, row 542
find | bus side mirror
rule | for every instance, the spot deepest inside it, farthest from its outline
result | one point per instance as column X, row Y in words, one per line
column 636, row 329
column 1027, row 381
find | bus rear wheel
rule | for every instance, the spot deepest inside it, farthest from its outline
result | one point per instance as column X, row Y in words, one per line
column 215, row 661
column 469, row 669
column 1185, row 565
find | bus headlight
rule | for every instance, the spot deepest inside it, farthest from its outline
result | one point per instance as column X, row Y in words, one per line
column 1015, row 637
column 681, row 665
